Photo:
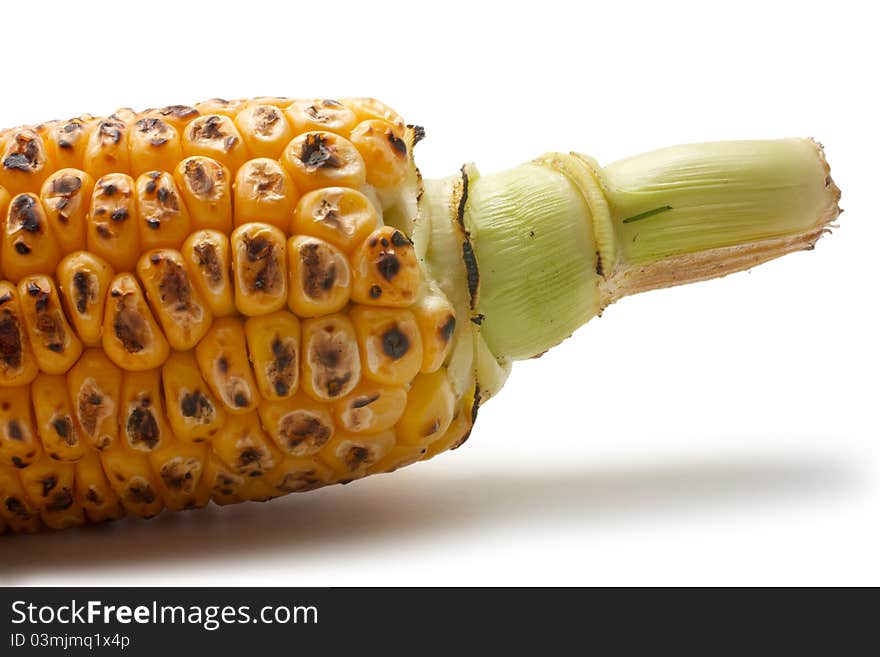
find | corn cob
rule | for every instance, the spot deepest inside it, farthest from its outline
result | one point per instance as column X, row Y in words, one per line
column 238, row 300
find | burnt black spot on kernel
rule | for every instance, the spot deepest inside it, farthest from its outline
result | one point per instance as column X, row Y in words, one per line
column 175, row 290
column 142, row 428
column 18, row 462
column 104, row 231
column 395, row 343
column 92, row 496
column 13, row 430
column 23, row 214
column 177, row 475
column 150, row 187
column 241, row 400
column 66, row 185
column 48, row 483
column 109, row 190
column 198, row 177
column 85, row 289
column 398, row 239
column 206, row 252
column 337, row 384
column 16, row 507
column 319, row 276
column 384, row 242
column 397, row 143
column 223, row 364
column 140, row 493
column 179, row 111
column 164, row 196
column 119, row 215
column 356, row 457
column 283, row 367
column 10, row 340
column 478, row 319
column 261, row 249
column 375, row 292
column 5, row 297
column 22, row 249
column 130, row 328
column 388, row 265
column 317, row 153
column 248, row 456
column 63, row 427
column 209, row 129
column 196, row 405
column 230, row 142
column 366, row 400
column 298, row 428
column 447, row 329
column 60, row 501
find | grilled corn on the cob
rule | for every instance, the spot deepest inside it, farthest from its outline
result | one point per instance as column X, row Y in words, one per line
column 238, row 300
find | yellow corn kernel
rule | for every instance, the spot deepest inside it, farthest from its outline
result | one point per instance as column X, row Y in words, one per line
column 49, row 486
column 323, row 159
column 435, row 317
column 206, row 188
column 389, row 343
column 369, row 108
column 24, row 161
column 215, row 136
column 66, row 195
column 319, row 277
column 67, row 141
column 331, row 365
column 264, row 192
column 455, row 435
column 18, row 367
column 112, row 227
column 93, row 492
column 386, row 270
column 259, row 268
column 179, row 467
column 370, row 408
column 94, row 384
column 206, row 254
column 180, row 309
column 83, row 280
column 131, row 476
column 141, row 412
column 55, row 346
column 193, row 410
column 384, row 151
column 19, row 444
column 265, row 130
column 131, row 337
column 243, row 446
column 430, row 408
column 223, row 362
column 339, row 215
column 163, row 218
column 54, row 418
column 153, row 145
column 321, row 114
column 29, row 245
column 282, row 102
column 107, row 149
column 296, row 474
column 299, row 426
column 273, row 345
column 221, row 106
column 350, row 455
column 20, row 515
column 177, row 116
column 125, row 114
column 400, row 456
column 220, row 482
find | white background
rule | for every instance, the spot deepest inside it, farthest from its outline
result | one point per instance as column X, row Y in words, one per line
column 719, row 433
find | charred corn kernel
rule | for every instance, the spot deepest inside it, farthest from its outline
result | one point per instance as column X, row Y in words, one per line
column 29, row 246
column 323, row 159
column 163, row 218
column 141, row 412
column 67, row 141
column 66, row 195
column 107, row 149
column 339, row 215
column 398, row 457
column 18, row 367
column 455, row 435
column 56, row 347
column 350, row 455
column 296, row 474
column 243, row 446
column 370, row 408
column 49, row 485
column 322, row 114
column 369, row 108
column 389, row 343
column 177, row 116
column 54, row 418
column 112, row 227
column 221, row 106
column 430, row 408
column 206, row 254
column 320, row 277
column 131, row 476
column 176, row 302
column 265, row 130
column 125, row 114
column 19, row 443
column 193, row 410
column 223, row 361
column 331, row 365
column 83, row 280
column 130, row 335
column 264, row 192
column 259, row 268
column 273, row 345
column 206, row 188
column 220, row 482
column 20, row 515
column 94, row 384
column 93, row 492
column 215, row 136
column 24, row 161
column 435, row 317
column 179, row 467
column 153, row 145
column 386, row 270
column 384, row 151
column 299, row 426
